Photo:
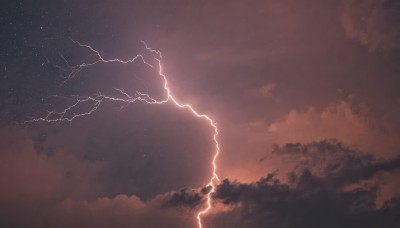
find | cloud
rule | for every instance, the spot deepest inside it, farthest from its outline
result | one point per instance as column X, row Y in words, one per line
column 334, row 162
column 186, row 197
column 342, row 120
column 136, row 150
column 325, row 188
column 32, row 181
column 58, row 189
column 313, row 198
column 269, row 203
column 121, row 211
column 374, row 23
column 28, row 174
column 266, row 90
column 247, row 146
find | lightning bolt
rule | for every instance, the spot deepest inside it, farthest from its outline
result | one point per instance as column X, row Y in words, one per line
column 68, row 114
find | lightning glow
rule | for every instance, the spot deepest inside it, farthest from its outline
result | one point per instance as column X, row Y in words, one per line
column 68, row 115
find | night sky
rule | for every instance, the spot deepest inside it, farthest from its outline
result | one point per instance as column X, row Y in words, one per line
column 305, row 95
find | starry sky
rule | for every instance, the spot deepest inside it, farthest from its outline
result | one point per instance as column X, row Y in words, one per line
column 305, row 94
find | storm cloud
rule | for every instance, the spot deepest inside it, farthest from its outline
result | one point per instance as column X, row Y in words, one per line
column 317, row 194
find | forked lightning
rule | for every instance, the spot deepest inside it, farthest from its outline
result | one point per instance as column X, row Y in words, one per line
column 68, row 114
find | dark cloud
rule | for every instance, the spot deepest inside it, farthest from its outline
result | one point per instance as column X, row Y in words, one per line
column 374, row 23
column 311, row 199
column 187, row 197
column 335, row 163
column 268, row 203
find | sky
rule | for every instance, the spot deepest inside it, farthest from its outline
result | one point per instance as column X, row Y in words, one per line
column 305, row 96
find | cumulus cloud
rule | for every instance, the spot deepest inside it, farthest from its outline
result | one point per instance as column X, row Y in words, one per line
column 121, row 211
column 42, row 189
column 32, row 181
column 374, row 23
column 341, row 120
column 26, row 172
column 346, row 120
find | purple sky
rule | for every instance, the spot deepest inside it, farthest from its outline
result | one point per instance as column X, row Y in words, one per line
column 306, row 96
